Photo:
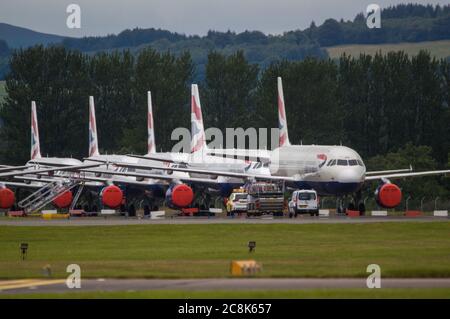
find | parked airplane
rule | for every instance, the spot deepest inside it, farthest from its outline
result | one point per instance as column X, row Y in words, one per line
column 36, row 164
column 131, row 181
column 330, row 170
column 198, row 158
column 173, row 189
column 151, row 163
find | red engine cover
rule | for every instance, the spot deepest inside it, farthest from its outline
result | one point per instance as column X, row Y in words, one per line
column 112, row 196
column 7, row 198
column 182, row 195
column 64, row 200
column 389, row 195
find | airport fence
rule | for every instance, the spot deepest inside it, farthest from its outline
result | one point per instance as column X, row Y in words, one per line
column 424, row 204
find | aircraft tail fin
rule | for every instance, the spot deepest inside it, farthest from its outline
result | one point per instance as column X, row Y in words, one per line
column 150, row 130
column 282, row 121
column 198, row 137
column 35, row 145
column 93, row 142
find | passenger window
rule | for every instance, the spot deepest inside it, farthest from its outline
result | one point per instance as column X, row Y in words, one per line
column 342, row 162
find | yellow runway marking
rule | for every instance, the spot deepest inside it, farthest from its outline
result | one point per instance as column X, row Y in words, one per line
column 25, row 283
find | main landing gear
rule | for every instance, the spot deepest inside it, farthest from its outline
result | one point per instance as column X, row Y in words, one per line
column 355, row 203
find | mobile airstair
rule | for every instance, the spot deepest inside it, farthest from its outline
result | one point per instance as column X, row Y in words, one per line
column 48, row 193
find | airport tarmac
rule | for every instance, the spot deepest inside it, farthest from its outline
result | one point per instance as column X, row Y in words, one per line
column 113, row 221
column 59, row 285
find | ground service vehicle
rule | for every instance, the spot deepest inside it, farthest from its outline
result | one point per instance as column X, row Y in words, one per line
column 264, row 197
column 304, row 201
column 237, row 202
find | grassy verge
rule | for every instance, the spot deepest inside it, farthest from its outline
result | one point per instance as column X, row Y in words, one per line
column 438, row 49
column 201, row 251
column 435, row 293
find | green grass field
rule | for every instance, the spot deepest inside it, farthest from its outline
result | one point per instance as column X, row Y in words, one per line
column 193, row 251
column 435, row 293
column 439, row 49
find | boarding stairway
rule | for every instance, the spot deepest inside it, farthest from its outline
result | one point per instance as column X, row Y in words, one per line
column 48, row 193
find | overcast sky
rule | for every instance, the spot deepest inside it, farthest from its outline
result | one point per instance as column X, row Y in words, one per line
column 101, row 17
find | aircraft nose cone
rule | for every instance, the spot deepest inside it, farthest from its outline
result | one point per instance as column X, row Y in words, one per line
column 349, row 175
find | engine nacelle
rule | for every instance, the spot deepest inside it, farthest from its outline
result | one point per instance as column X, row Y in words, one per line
column 112, row 196
column 64, row 200
column 7, row 198
column 179, row 196
column 388, row 195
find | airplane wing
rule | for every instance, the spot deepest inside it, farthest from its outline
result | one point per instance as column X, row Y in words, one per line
column 154, row 176
column 179, row 158
column 48, row 170
column 403, row 175
column 209, row 172
column 243, row 154
column 89, row 182
column 23, row 185
column 410, row 169
column 46, row 162
column 4, row 169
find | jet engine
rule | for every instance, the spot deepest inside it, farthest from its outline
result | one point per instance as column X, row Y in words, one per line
column 388, row 195
column 179, row 196
column 7, row 198
column 64, row 200
column 111, row 196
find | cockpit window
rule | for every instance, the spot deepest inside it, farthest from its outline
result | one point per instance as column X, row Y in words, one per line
column 360, row 163
column 342, row 162
column 352, row 162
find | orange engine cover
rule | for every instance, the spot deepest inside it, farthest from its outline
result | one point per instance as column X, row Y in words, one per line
column 64, row 200
column 182, row 195
column 112, row 196
column 389, row 195
column 7, row 198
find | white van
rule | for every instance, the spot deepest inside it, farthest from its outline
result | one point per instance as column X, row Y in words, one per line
column 304, row 201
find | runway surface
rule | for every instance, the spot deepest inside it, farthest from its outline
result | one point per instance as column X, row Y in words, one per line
column 114, row 221
column 59, row 285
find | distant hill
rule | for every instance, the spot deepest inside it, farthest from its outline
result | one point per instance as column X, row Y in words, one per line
column 17, row 37
column 404, row 23
column 401, row 23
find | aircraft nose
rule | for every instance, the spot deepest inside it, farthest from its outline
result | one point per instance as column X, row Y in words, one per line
column 349, row 175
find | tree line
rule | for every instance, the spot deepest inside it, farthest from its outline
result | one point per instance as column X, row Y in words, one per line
column 60, row 81
column 385, row 106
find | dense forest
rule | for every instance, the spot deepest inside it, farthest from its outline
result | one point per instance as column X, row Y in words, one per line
column 384, row 106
